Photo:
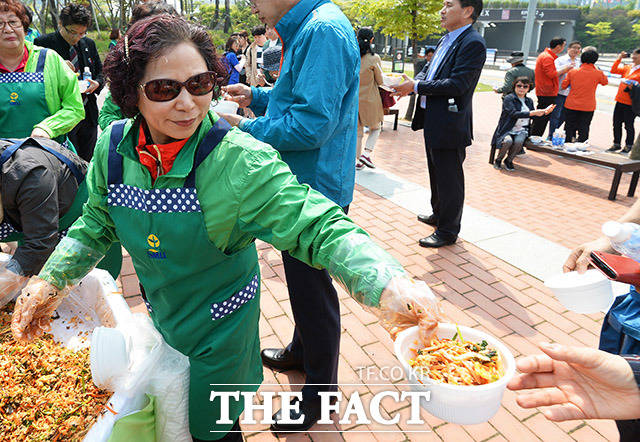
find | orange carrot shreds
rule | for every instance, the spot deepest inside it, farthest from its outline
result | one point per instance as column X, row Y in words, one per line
column 458, row 362
column 46, row 392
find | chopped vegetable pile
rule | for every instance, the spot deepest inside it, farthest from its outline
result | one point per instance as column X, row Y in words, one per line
column 459, row 362
column 46, row 392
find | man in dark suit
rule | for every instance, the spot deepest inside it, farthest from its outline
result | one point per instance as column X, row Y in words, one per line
column 71, row 43
column 445, row 89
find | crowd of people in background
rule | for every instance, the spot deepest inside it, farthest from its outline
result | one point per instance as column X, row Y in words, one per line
column 565, row 88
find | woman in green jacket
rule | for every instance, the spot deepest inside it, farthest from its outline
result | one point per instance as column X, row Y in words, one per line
column 187, row 196
column 43, row 94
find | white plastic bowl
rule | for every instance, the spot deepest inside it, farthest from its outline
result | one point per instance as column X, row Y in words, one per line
column 109, row 357
column 458, row 404
column 392, row 80
column 225, row 107
column 587, row 293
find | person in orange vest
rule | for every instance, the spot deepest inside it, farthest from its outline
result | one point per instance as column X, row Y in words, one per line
column 622, row 112
column 547, row 83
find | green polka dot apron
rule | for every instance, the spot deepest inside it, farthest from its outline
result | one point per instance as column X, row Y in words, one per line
column 204, row 302
column 23, row 103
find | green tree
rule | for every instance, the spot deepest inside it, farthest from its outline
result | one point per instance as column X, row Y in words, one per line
column 636, row 29
column 600, row 32
column 242, row 19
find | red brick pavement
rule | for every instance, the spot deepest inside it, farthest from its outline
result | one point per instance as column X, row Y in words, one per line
column 560, row 200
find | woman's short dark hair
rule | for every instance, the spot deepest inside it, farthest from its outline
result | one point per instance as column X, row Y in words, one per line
column 148, row 39
column 74, row 14
column 523, row 80
column 229, row 46
column 147, row 9
column 19, row 9
column 365, row 35
column 115, row 34
column 636, row 51
column 589, row 55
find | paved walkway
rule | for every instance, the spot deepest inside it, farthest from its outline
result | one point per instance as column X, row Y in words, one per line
column 558, row 202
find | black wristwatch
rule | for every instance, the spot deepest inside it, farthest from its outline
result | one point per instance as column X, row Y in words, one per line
column 634, row 362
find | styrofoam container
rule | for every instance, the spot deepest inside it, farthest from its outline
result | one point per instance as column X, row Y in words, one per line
column 458, row 404
column 224, row 107
column 109, row 357
column 392, row 79
column 590, row 292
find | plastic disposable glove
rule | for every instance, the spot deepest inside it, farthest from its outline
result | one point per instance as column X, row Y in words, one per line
column 405, row 303
column 10, row 285
column 34, row 307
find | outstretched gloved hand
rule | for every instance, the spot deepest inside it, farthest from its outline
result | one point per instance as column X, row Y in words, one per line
column 10, row 285
column 34, row 307
column 405, row 303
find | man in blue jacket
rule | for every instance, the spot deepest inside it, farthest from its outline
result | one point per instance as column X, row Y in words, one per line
column 310, row 117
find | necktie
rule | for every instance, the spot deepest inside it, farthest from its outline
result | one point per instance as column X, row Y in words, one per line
column 73, row 57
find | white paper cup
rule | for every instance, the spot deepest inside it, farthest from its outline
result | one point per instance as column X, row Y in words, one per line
column 458, row 404
column 109, row 358
column 225, row 107
column 587, row 293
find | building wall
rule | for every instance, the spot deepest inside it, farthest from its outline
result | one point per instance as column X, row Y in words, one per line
column 507, row 36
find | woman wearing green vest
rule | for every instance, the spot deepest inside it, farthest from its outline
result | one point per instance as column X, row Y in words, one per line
column 187, row 195
column 40, row 94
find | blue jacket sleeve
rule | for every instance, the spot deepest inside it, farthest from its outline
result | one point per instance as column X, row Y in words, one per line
column 320, row 86
column 465, row 70
column 259, row 102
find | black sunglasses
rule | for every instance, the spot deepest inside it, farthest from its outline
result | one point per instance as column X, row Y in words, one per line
column 167, row 90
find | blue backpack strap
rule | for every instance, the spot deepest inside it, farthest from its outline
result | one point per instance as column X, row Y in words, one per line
column 210, row 141
column 41, row 59
column 70, row 164
column 115, row 159
column 9, row 151
column 17, row 144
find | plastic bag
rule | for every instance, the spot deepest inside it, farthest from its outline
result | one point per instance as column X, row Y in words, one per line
column 157, row 370
column 10, row 285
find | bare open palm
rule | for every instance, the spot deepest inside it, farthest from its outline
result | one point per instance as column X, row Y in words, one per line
column 577, row 383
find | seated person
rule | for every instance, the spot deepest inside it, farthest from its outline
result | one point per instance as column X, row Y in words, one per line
column 513, row 127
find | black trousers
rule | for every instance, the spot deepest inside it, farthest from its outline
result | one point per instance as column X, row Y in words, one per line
column 577, row 122
column 629, row 430
column 622, row 113
column 540, row 123
column 316, row 312
column 84, row 137
column 446, row 178
column 233, row 436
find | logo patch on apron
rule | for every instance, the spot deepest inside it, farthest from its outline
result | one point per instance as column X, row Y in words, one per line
column 13, row 99
column 154, row 251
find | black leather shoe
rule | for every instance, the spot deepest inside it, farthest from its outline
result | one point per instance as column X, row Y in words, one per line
column 310, row 410
column 435, row 241
column 428, row 219
column 280, row 359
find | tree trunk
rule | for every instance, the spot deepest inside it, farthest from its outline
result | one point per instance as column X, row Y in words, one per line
column 227, row 16
column 121, row 21
column 53, row 8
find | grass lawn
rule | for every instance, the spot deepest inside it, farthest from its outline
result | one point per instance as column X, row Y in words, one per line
column 481, row 87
